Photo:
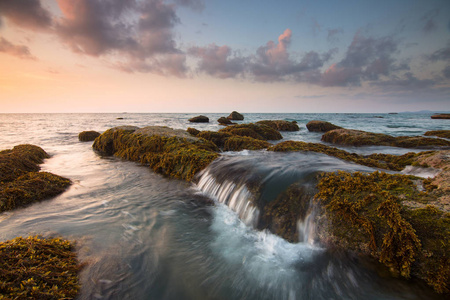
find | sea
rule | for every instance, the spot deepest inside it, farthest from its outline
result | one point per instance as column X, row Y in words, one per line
column 144, row 236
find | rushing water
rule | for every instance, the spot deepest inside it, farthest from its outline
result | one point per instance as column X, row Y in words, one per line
column 147, row 237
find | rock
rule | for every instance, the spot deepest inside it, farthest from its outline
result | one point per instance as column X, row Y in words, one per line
column 199, row 119
column 193, row 131
column 441, row 116
column 170, row 152
column 88, row 136
column 235, row 116
column 439, row 133
column 256, row 131
column 321, row 126
column 350, row 137
column 239, row 143
column 21, row 183
column 218, row 138
column 224, row 121
column 280, row 125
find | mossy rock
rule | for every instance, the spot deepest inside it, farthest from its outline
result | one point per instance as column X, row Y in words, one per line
column 239, row 143
column 235, row 116
column 19, row 161
column 321, row 126
column 30, row 188
column 174, row 153
column 256, row 131
column 193, row 131
column 439, row 133
column 350, row 137
column 38, row 268
column 88, row 136
column 281, row 215
column 367, row 216
column 280, row 125
column 199, row 119
column 383, row 161
column 218, row 138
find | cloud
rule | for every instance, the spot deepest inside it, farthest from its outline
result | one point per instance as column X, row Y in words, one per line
column 442, row 54
column 446, row 72
column 19, row 51
column 333, row 34
column 429, row 20
column 218, row 61
column 407, row 82
column 26, row 13
column 197, row 5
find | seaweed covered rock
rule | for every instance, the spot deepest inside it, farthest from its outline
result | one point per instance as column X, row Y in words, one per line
column 384, row 161
column 88, row 136
column 235, row 116
column 173, row 153
column 281, row 125
column 20, row 182
column 218, row 138
column 256, row 131
column 441, row 116
column 199, row 119
column 38, row 268
column 439, row 133
column 321, row 126
column 193, row 131
column 350, row 137
column 239, row 143
column 224, row 121
column 365, row 214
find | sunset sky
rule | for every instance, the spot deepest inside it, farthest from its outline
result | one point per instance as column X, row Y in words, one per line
column 219, row 56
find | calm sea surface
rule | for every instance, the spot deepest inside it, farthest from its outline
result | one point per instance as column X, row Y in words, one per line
column 148, row 237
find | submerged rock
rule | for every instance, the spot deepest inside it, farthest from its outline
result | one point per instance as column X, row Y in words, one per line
column 199, row 119
column 441, row 116
column 20, row 182
column 280, row 125
column 350, row 137
column 321, row 126
column 256, row 131
column 235, row 116
column 88, row 136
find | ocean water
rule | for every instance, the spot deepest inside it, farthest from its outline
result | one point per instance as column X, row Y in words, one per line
column 144, row 236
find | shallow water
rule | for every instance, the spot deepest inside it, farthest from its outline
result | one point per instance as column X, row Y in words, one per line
column 148, row 237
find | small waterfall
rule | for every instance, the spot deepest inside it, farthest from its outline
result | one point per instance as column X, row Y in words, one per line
column 306, row 228
column 236, row 196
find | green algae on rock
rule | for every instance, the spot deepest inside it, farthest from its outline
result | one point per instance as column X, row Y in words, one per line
column 439, row 133
column 350, row 137
column 280, row 125
column 367, row 216
column 256, row 131
column 321, row 126
column 38, row 268
column 88, row 136
column 20, row 182
column 173, row 153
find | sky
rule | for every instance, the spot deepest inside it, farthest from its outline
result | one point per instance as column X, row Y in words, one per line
column 286, row 56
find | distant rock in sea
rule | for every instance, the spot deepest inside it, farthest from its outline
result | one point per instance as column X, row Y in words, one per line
column 224, row 121
column 321, row 126
column 199, row 119
column 235, row 116
column 88, row 136
column 441, row 116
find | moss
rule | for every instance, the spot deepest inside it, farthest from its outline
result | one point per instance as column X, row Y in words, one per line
column 30, row 188
column 238, row 143
column 280, row 125
column 256, row 131
column 170, row 156
column 383, row 161
column 350, row 137
column 88, row 136
column 367, row 216
column 439, row 133
column 38, row 268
